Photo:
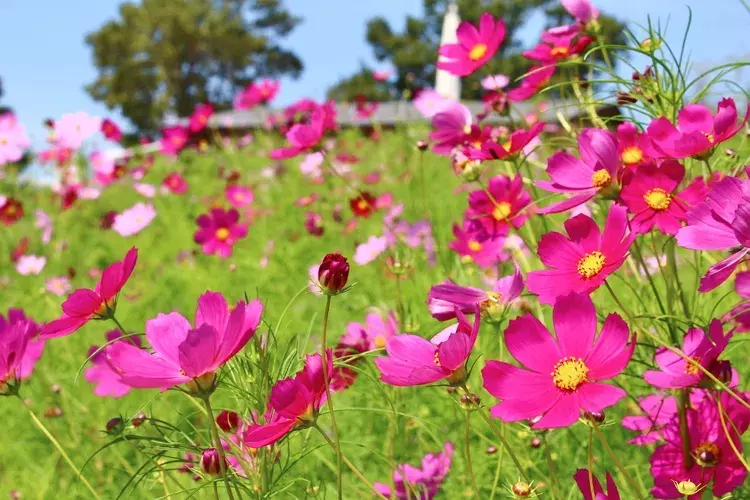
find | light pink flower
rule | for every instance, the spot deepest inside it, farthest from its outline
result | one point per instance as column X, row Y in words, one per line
column 30, row 264
column 73, row 128
column 134, row 219
column 370, row 250
column 57, row 285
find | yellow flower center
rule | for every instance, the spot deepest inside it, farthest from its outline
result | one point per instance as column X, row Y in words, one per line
column 657, row 198
column 692, row 369
column 601, row 178
column 477, row 51
column 506, row 146
column 570, row 373
column 379, row 341
column 474, row 246
column 362, row 205
column 501, row 211
column 631, row 155
column 591, row 264
column 3, row 141
column 307, row 417
column 222, row 233
column 559, row 51
column 710, row 138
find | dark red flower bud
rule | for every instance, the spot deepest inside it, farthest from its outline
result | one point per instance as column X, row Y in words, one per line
column 228, row 420
column 422, row 145
column 138, row 419
column 594, row 416
column 333, row 273
column 722, row 370
column 521, row 489
column 210, row 464
column 114, row 425
column 536, row 442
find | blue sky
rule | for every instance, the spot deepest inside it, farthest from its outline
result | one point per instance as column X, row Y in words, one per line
column 44, row 62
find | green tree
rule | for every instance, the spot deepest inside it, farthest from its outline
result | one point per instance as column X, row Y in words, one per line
column 166, row 56
column 413, row 51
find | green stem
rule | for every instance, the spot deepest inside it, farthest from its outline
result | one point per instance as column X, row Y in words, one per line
column 217, row 444
column 628, row 478
column 329, row 400
column 498, row 468
column 683, row 401
column 122, row 329
column 62, row 452
column 351, row 466
column 552, row 472
column 590, row 462
column 467, row 447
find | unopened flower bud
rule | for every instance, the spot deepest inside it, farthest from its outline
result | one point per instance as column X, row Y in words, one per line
column 210, row 464
column 53, row 412
column 114, row 425
column 228, row 420
column 594, row 416
column 491, row 450
column 722, row 370
column 333, row 273
column 138, row 419
column 536, row 442
column 521, row 489
column 422, row 145
column 650, row 44
column 686, row 487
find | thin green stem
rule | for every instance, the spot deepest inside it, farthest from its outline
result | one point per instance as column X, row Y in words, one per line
column 60, row 449
column 628, row 478
column 329, row 400
column 499, row 467
column 590, row 462
column 122, row 329
column 348, row 463
column 217, row 444
column 682, row 405
column 552, row 472
column 467, row 447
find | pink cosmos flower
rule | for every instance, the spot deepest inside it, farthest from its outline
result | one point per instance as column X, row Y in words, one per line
column 419, row 483
column 429, row 103
column 699, row 133
column 495, row 82
column 57, row 285
column 381, row 75
column 675, row 371
column 314, row 223
column 720, row 223
column 100, row 373
column 370, row 250
column 650, row 196
column 590, row 487
column 559, row 44
column 444, row 299
column 302, row 137
column 310, row 166
column 43, row 221
column 475, row 46
column 584, row 13
column 518, row 140
column 134, row 219
column 500, row 206
column 73, row 128
column 585, row 258
column 294, row 403
column 659, row 410
column 633, row 147
column 20, row 349
column 413, row 360
column 100, row 303
column 13, row 139
column 145, row 189
column 111, row 131
column 175, row 183
column 740, row 314
column 473, row 243
column 364, row 108
column 200, row 117
column 30, row 264
column 182, row 354
column 219, row 231
column 450, row 126
column 713, row 456
column 256, row 93
column 535, row 79
column 239, row 196
column 173, row 139
column 374, row 334
column 563, row 375
column 594, row 173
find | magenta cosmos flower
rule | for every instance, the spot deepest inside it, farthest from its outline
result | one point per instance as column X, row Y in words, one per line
column 110, row 130
column 183, row 354
column 720, row 223
column 173, row 140
column 535, row 79
column 651, row 197
column 106, row 381
column 713, row 457
column 563, row 375
column 559, row 44
column 20, row 348
column 474, row 244
column 239, row 196
column 419, row 483
column 699, row 131
column 200, row 117
column 591, row 488
column 374, row 334
column 518, row 140
column 100, row 303
column 219, row 231
column 451, row 126
column 658, row 410
column 475, row 46
column 445, row 299
column 584, row 12
column 294, row 403
column 500, row 206
column 676, row 371
column 413, row 360
column 595, row 172
column 633, row 147
column 585, row 258
column 302, row 137
column 175, row 183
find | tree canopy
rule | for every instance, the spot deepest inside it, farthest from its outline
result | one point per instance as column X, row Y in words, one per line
column 413, row 51
column 165, row 56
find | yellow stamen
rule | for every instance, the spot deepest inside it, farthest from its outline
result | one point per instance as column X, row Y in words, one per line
column 601, row 178
column 502, row 211
column 222, row 233
column 559, row 51
column 693, row 369
column 657, row 198
column 570, row 373
column 379, row 341
column 631, row 155
column 591, row 264
column 477, row 51
column 475, row 246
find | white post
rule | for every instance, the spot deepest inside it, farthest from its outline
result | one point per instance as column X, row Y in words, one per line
column 446, row 84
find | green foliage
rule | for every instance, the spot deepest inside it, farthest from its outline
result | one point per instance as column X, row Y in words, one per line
column 166, row 56
column 413, row 51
